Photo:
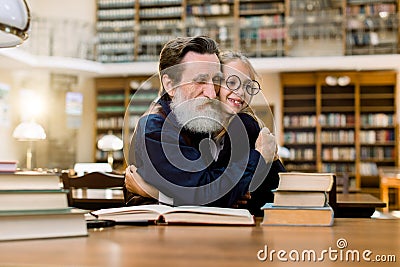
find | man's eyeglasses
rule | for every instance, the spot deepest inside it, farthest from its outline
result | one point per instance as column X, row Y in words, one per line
column 233, row 83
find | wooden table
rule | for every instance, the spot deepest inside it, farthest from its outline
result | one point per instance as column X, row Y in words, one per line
column 357, row 205
column 210, row 246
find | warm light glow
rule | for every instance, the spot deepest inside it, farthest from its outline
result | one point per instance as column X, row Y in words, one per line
column 341, row 80
column 383, row 14
column 31, row 105
column 331, row 81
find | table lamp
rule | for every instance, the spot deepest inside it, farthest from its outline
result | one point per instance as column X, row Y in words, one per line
column 110, row 143
column 30, row 132
column 14, row 22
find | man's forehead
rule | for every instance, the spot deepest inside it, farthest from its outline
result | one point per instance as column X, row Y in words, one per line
column 201, row 68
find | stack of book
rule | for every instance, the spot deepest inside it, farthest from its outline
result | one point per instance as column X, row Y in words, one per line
column 34, row 205
column 301, row 199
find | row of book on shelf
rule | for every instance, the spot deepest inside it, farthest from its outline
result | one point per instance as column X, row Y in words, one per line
column 339, row 120
column 341, row 136
column 344, row 153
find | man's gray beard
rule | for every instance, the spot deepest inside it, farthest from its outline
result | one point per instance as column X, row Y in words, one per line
column 199, row 115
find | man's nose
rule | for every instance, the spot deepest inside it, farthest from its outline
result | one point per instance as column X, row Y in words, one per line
column 209, row 90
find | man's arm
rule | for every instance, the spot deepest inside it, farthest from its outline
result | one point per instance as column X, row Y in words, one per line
column 195, row 182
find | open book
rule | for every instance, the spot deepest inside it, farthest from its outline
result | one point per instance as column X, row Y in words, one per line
column 177, row 215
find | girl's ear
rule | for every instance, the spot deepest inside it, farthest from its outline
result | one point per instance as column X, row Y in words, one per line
column 168, row 85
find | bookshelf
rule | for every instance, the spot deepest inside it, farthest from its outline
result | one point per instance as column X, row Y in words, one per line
column 299, row 121
column 135, row 30
column 115, row 31
column 372, row 27
column 214, row 18
column 262, row 28
column 342, row 122
column 115, row 109
column 337, row 125
column 158, row 22
column 378, row 126
column 314, row 28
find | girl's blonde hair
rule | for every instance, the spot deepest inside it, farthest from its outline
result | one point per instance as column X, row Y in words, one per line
column 229, row 56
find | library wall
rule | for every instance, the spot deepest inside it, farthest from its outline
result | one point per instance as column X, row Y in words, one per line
column 71, row 9
column 270, row 85
column 8, row 120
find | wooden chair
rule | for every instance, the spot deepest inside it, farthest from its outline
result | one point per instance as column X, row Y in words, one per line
column 389, row 178
column 95, row 190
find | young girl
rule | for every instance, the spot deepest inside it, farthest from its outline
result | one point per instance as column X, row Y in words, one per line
column 239, row 89
column 236, row 94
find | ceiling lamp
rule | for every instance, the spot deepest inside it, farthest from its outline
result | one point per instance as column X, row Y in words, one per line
column 341, row 80
column 330, row 80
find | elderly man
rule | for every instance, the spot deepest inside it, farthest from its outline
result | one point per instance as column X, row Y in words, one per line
column 173, row 147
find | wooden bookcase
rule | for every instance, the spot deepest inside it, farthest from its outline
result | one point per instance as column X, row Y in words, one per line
column 315, row 28
column 372, row 27
column 116, row 31
column 299, row 120
column 135, row 30
column 117, row 113
column 212, row 18
column 158, row 22
column 341, row 122
column 262, row 28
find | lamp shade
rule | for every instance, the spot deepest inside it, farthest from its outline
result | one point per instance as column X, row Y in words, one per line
column 283, row 152
column 110, row 142
column 29, row 131
column 14, row 22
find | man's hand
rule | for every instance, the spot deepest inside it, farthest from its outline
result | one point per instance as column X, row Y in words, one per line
column 266, row 145
column 135, row 184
